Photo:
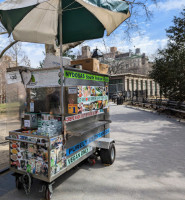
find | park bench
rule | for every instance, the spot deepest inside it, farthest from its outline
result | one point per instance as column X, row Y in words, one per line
column 163, row 105
column 176, row 108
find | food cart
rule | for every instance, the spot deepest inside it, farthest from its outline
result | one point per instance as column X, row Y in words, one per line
column 40, row 149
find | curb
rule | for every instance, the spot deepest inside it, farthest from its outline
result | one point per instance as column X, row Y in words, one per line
column 4, row 142
column 2, row 171
column 155, row 112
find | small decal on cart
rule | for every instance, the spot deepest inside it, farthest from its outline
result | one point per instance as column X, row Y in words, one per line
column 82, row 116
column 73, row 108
column 78, row 155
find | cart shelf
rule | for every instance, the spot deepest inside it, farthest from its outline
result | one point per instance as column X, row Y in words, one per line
column 86, row 128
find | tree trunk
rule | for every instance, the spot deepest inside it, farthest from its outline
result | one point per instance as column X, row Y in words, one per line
column 53, row 50
column 5, row 49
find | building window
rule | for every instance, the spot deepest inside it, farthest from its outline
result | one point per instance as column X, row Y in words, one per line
column 128, row 88
column 151, row 89
column 141, row 85
column 146, row 88
column 116, row 81
column 132, row 85
column 155, row 89
column 137, row 85
column 146, row 85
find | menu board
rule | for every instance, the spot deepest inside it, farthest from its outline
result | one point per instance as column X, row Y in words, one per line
column 87, row 99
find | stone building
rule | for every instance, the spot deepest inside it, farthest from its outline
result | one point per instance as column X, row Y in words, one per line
column 133, row 86
column 119, row 62
column 127, row 62
column 86, row 53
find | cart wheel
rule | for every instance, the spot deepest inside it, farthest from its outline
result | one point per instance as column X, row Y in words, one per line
column 108, row 155
column 18, row 183
column 48, row 194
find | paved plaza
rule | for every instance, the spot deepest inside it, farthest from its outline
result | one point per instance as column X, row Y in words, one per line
column 150, row 164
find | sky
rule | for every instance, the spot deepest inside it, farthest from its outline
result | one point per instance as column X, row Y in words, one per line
column 149, row 38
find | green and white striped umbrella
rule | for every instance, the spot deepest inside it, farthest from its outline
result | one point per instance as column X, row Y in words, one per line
column 37, row 21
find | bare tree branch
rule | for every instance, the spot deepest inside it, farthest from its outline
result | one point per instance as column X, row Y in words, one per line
column 71, row 45
column 139, row 9
column 52, row 49
column 3, row 33
column 8, row 47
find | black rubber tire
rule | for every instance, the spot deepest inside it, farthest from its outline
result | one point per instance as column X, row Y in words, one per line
column 18, row 183
column 106, row 155
column 48, row 194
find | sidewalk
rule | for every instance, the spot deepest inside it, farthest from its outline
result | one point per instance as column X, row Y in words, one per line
column 4, row 156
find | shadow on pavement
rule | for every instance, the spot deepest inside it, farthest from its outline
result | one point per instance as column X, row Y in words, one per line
column 155, row 151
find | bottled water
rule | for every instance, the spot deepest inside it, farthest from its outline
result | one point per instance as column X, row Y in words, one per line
column 49, row 127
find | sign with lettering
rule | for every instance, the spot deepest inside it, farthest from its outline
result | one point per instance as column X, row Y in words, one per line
column 51, row 78
column 78, row 155
column 89, row 77
column 82, row 116
column 92, row 99
column 13, row 77
column 84, row 143
column 72, row 90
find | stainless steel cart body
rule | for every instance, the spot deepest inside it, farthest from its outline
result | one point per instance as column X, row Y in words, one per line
column 46, row 157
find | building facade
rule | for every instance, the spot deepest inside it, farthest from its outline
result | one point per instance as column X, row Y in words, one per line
column 127, row 62
column 133, row 86
column 86, row 53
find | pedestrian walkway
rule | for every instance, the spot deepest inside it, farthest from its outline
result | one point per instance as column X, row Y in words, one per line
column 4, row 156
column 149, row 164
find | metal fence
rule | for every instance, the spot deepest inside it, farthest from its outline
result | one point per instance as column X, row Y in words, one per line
column 116, row 88
column 119, row 88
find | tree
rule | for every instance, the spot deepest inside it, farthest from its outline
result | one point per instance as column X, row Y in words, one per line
column 138, row 9
column 18, row 55
column 69, row 54
column 169, row 66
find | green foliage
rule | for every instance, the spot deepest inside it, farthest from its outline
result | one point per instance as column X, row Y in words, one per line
column 169, row 66
column 177, row 32
column 9, row 106
column 68, row 54
column 41, row 63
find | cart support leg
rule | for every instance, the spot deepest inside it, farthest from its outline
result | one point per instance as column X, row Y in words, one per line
column 50, row 187
column 49, row 191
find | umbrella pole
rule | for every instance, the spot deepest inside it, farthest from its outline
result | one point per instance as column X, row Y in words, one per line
column 61, row 63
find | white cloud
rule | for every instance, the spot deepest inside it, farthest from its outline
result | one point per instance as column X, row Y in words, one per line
column 145, row 43
column 168, row 5
column 33, row 51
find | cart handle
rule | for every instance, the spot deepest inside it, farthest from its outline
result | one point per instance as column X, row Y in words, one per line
column 37, row 143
